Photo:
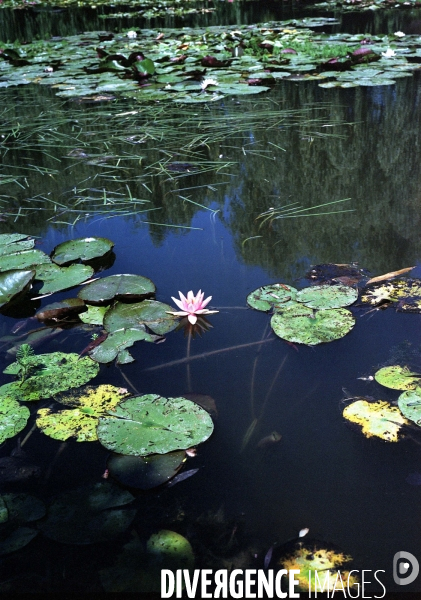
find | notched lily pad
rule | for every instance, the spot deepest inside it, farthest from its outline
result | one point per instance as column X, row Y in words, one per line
column 61, row 310
column 83, row 516
column 378, row 419
column 410, row 405
column 117, row 286
column 23, row 260
column 116, row 343
column 152, row 424
column 327, row 296
column 397, row 378
column 312, row 327
column 82, row 249
column 15, row 242
column 149, row 313
column 268, row 296
column 49, row 374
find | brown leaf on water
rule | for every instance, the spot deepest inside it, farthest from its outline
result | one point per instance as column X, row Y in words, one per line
column 389, row 275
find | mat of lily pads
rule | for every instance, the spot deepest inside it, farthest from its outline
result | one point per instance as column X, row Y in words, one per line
column 204, row 65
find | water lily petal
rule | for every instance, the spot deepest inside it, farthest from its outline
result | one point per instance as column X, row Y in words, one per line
column 179, row 303
column 205, row 302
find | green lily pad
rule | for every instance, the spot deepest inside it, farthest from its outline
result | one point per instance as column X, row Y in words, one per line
column 303, row 325
column 80, row 422
column 57, row 278
column 268, row 296
column 116, row 343
column 15, row 242
column 117, row 286
column 13, row 417
column 378, row 419
column 94, row 315
column 23, row 508
column 327, row 296
column 397, row 378
column 81, row 249
column 49, row 374
column 13, row 283
column 410, row 405
column 152, row 424
column 61, row 310
column 16, row 540
column 149, row 313
column 88, row 515
column 139, row 571
column 145, row 472
column 23, row 260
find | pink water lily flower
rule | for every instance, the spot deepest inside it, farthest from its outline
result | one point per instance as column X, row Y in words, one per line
column 192, row 306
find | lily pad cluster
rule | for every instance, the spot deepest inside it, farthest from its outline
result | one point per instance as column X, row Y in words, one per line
column 16, row 511
column 364, row 5
column 380, row 418
column 204, row 65
column 310, row 316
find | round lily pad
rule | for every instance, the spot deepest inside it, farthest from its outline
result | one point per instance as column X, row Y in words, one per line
column 13, row 283
column 83, row 516
column 305, row 326
column 117, row 341
column 152, row 424
column 410, row 405
column 57, row 278
column 49, row 374
column 397, row 378
column 81, row 249
column 117, row 286
column 80, row 422
column 378, row 419
column 327, row 296
column 23, row 260
column 148, row 313
column 13, row 417
column 145, row 472
column 268, row 296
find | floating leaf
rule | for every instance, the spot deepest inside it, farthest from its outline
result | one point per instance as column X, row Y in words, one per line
column 303, row 325
column 378, row 419
column 23, row 260
column 16, row 540
column 117, row 286
column 81, row 249
column 83, row 516
column 397, row 378
column 334, row 273
column 145, row 472
column 152, row 424
column 13, row 283
column 94, row 315
column 23, row 508
column 13, row 417
column 309, row 559
column 268, row 296
column 15, row 242
column 410, row 405
column 80, row 422
column 116, row 342
column 139, row 571
column 406, row 292
column 61, row 310
column 149, row 313
column 327, row 296
column 53, row 373
column 57, row 278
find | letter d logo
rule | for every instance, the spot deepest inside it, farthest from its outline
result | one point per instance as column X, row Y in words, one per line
column 404, row 562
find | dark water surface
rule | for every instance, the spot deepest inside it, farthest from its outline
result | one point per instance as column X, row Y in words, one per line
column 323, row 475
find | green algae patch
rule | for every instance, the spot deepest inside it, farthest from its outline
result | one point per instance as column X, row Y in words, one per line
column 377, row 419
column 80, row 422
column 152, row 424
column 397, row 378
column 49, row 374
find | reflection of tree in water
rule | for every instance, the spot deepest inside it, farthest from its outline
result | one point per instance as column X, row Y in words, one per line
column 373, row 161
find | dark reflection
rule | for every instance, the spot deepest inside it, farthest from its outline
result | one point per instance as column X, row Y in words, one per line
column 362, row 146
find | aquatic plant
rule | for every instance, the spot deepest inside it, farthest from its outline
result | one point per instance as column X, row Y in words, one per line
column 192, row 305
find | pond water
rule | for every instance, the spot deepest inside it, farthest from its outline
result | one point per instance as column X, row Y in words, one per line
column 72, row 170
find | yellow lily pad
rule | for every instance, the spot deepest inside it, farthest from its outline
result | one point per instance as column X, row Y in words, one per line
column 378, row 419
